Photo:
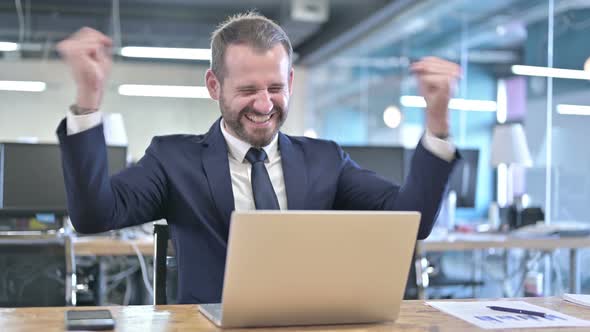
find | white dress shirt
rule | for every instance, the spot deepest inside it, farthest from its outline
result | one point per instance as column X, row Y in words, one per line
column 240, row 168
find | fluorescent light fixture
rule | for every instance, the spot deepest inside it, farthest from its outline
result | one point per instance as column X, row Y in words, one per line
column 551, row 72
column 566, row 109
column 8, row 47
column 172, row 91
column 454, row 104
column 26, row 86
column 167, row 53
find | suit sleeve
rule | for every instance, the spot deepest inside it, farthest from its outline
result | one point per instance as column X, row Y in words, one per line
column 423, row 190
column 98, row 202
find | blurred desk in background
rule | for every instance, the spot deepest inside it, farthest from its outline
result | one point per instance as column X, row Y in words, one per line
column 112, row 246
column 482, row 241
column 463, row 241
column 103, row 247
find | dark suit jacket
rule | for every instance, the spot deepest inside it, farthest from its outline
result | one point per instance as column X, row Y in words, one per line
column 185, row 179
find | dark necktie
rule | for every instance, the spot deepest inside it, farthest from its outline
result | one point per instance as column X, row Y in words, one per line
column 264, row 194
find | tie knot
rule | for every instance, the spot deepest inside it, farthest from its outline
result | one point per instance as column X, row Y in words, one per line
column 255, row 155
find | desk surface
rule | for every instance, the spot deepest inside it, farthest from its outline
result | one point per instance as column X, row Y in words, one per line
column 111, row 246
column 458, row 241
column 414, row 316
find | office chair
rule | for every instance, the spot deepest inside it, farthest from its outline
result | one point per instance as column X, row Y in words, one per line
column 427, row 272
column 163, row 261
column 37, row 269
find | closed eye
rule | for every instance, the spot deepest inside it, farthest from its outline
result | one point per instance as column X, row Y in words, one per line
column 247, row 92
column 250, row 90
column 276, row 88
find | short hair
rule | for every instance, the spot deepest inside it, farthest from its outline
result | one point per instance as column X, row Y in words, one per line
column 248, row 28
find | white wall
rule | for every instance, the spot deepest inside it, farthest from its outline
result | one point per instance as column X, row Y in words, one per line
column 29, row 114
column 295, row 124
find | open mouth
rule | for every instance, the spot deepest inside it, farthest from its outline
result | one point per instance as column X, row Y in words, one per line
column 259, row 119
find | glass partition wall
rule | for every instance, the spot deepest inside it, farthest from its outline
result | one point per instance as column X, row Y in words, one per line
column 364, row 94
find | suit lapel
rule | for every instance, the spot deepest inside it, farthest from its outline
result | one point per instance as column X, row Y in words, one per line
column 216, row 165
column 294, row 173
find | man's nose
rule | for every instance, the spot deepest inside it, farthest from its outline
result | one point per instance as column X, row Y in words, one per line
column 263, row 103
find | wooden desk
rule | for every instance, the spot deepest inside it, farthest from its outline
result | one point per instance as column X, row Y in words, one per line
column 110, row 246
column 462, row 242
column 459, row 242
column 414, row 316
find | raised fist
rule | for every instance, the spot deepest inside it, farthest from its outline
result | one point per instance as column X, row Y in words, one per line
column 88, row 54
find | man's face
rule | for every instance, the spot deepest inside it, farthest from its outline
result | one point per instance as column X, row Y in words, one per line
column 255, row 93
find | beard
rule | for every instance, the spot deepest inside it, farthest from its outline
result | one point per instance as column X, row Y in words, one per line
column 257, row 137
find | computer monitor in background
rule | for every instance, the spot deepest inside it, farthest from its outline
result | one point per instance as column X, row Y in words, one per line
column 31, row 178
column 385, row 161
column 464, row 178
column 394, row 164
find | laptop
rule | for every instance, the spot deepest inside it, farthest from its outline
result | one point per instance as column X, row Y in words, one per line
column 288, row 268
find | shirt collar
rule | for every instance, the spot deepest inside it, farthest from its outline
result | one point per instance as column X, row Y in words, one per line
column 238, row 148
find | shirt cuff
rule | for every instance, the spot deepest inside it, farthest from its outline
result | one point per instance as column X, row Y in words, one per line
column 441, row 148
column 79, row 123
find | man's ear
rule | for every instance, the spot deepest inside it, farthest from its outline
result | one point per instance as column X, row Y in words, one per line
column 291, row 75
column 213, row 85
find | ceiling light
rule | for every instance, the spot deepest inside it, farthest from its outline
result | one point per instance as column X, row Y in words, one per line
column 172, row 91
column 551, row 72
column 392, row 117
column 8, row 47
column 27, row 86
column 566, row 109
column 454, row 104
column 587, row 65
column 167, row 53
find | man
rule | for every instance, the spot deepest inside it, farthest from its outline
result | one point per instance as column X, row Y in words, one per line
column 243, row 162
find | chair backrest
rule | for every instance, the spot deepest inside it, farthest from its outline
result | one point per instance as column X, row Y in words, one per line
column 161, row 237
column 38, row 269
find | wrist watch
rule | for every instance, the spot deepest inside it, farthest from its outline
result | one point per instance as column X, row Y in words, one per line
column 77, row 110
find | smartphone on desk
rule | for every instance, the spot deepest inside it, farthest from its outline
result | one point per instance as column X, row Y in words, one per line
column 93, row 320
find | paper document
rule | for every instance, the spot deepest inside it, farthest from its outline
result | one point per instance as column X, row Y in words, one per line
column 478, row 313
column 580, row 299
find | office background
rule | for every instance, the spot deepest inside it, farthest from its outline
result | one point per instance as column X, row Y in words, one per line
column 352, row 83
